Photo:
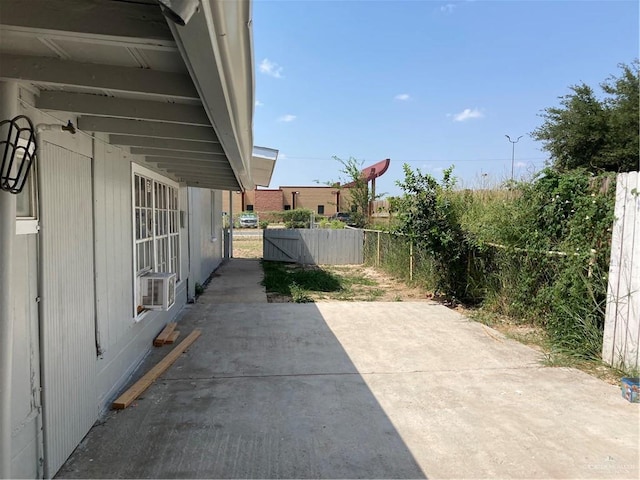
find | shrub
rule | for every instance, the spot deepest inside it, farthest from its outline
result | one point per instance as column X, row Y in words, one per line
column 298, row 218
column 538, row 252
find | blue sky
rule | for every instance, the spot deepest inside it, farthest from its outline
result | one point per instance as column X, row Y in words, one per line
column 428, row 83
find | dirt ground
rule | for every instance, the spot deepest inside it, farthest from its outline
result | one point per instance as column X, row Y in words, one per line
column 376, row 286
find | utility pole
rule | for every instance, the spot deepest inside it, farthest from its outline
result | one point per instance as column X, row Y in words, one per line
column 513, row 152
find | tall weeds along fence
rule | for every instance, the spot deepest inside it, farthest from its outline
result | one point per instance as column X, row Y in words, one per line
column 523, row 284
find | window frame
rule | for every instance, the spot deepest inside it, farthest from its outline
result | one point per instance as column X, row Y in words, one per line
column 163, row 225
column 28, row 224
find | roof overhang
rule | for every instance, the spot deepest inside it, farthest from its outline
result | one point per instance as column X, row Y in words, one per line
column 182, row 96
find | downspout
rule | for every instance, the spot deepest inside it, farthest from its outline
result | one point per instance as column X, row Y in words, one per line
column 230, row 247
column 8, row 109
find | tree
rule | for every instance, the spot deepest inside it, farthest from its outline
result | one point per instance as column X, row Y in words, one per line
column 596, row 134
column 429, row 214
column 623, row 105
column 359, row 196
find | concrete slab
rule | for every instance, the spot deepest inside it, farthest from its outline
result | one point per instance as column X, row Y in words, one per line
column 361, row 390
column 241, row 283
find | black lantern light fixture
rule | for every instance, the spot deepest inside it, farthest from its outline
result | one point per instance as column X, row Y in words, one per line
column 18, row 149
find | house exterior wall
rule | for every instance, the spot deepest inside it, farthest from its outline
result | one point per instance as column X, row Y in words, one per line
column 87, row 306
column 205, row 234
column 25, row 391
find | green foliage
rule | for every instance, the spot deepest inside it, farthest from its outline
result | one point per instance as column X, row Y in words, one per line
column 299, row 294
column 537, row 253
column 298, row 218
column 331, row 224
column 592, row 133
column 360, row 196
column 297, row 282
column 429, row 214
column 199, row 289
column 264, row 224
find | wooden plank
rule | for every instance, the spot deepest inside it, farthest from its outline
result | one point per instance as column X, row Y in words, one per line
column 124, row 400
column 173, row 337
column 161, row 339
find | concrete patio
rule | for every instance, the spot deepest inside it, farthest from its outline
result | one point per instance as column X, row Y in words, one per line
column 358, row 390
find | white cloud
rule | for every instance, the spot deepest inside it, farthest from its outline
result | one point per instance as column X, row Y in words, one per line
column 282, row 156
column 287, row 118
column 259, row 103
column 467, row 114
column 402, row 96
column 521, row 164
column 270, row 68
column 448, row 8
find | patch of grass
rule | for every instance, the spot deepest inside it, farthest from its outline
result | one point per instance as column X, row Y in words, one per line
column 286, row 279
column 309, row 283
column 299, row 294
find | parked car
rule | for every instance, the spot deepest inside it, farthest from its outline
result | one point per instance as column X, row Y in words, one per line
column 343, row 217
column 248, row 220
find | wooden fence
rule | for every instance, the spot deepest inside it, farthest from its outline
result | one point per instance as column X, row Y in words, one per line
column 314, row 246
column 622, row 318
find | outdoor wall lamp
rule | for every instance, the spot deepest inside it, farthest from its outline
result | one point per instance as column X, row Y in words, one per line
column 18, row 148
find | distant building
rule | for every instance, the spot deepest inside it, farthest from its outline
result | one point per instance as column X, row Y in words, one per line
column 321, row 200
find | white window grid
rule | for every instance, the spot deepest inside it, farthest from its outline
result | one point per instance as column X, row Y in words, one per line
column 156, row 224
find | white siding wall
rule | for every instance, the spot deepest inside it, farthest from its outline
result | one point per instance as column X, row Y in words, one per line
column 123, row 342
column 25, row 391
column 205, row 234
column 92, row 343
column 67, row 305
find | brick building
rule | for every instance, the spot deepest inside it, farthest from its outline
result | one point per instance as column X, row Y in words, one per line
column 321, row 200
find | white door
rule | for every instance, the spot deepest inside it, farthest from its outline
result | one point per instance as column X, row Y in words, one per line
column 68, row 309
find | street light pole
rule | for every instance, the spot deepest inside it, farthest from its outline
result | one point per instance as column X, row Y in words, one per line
column 513, row 151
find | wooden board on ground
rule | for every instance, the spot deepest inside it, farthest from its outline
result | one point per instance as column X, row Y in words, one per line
column 161, row 339
column 124, row 400
column 173, row 337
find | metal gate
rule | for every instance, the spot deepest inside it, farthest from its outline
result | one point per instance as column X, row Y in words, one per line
column 314, row 246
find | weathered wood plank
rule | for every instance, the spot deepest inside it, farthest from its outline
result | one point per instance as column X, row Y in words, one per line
column 162, row 337
column 124, row 400
column 173, row 337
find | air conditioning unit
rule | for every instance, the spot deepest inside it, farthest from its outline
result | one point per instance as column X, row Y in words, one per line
column 158, row 290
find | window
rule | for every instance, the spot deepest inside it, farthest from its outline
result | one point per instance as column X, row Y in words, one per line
column 26, row 204
column 320, row 209
column 156, row 225
column 249, row 208
column 287, row 207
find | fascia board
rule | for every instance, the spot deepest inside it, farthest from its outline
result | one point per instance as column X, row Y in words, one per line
column 216, row 46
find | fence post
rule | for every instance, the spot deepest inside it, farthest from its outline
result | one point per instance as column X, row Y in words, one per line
column 378, row 255
column 411, row 259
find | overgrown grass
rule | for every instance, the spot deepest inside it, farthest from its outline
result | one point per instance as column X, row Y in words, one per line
column 305, row 284
column 498, row 249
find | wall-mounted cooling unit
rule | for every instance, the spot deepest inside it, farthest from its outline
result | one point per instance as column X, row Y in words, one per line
column 158, row 290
